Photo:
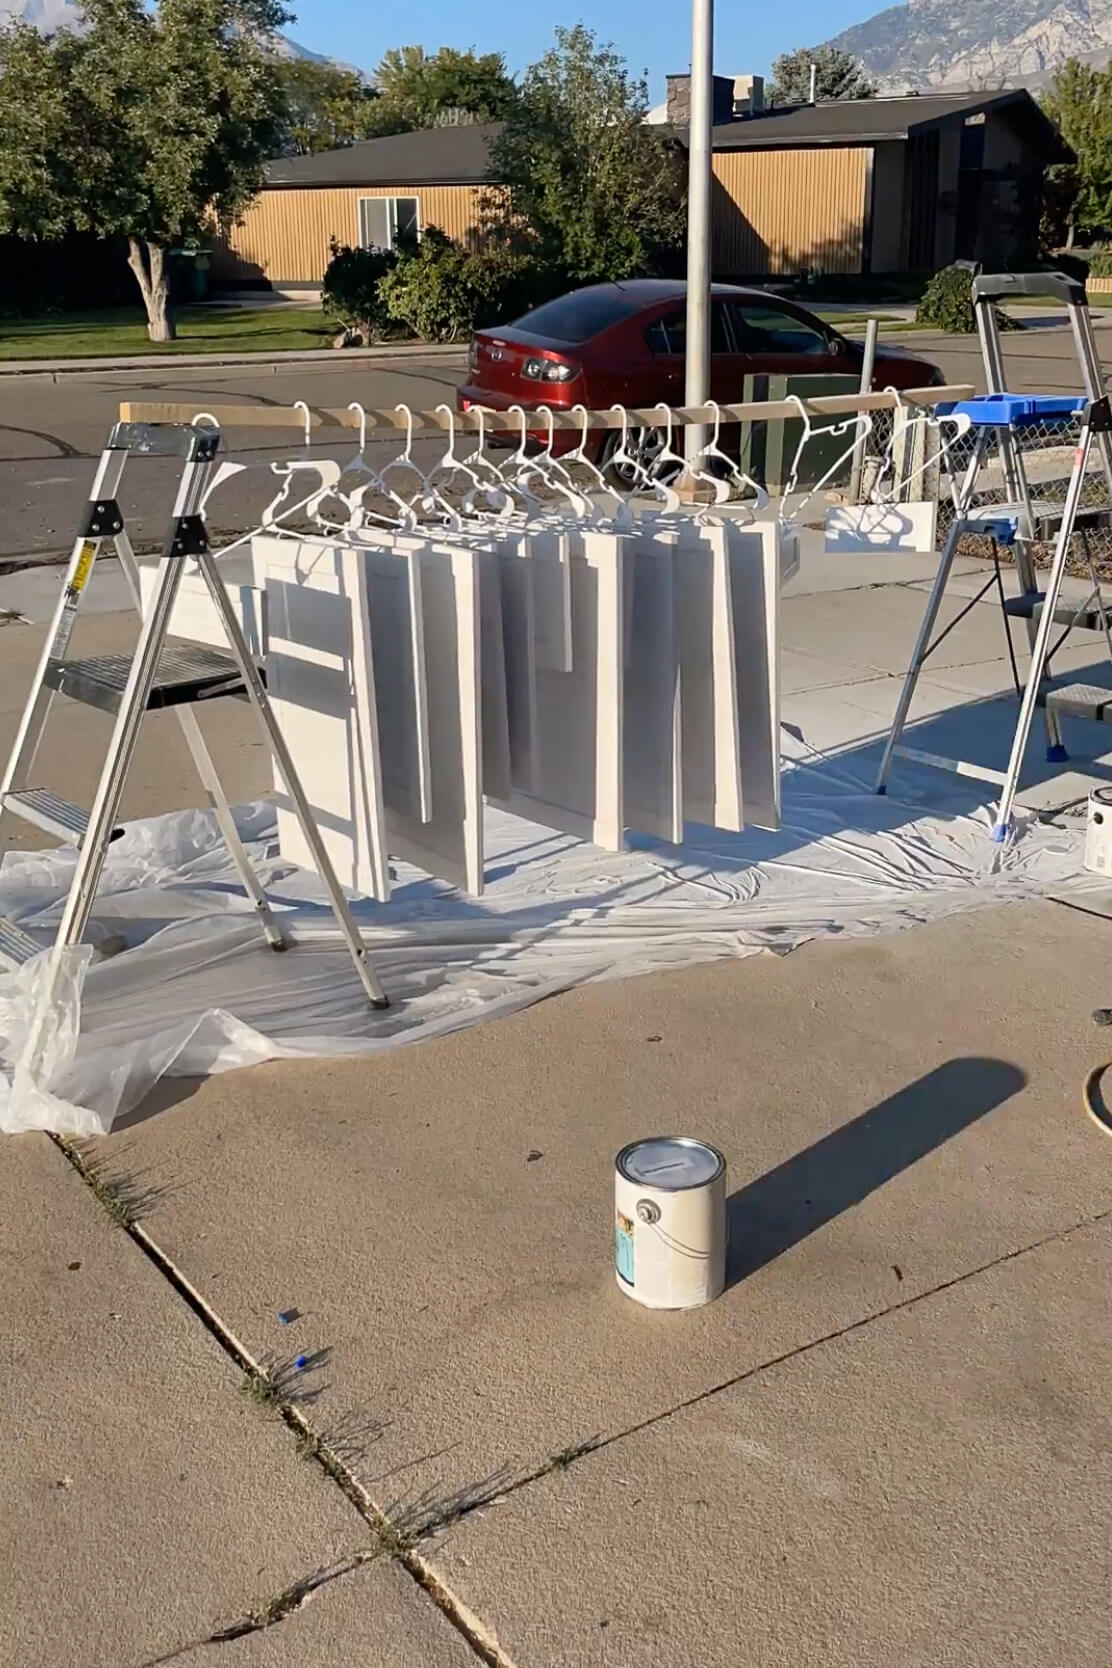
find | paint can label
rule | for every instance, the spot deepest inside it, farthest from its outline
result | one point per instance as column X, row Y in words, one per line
column 623, row 1247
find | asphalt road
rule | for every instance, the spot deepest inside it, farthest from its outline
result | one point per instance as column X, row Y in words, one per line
column 51, row 432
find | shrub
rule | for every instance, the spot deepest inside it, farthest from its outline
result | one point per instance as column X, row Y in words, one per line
column 948, row 303
column 443, row 291
column 353, row 288
column 1099, row 262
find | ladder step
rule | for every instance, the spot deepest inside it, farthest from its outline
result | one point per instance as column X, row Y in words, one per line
column 186, row 673
column 16, row 946
column 1001, row 521
column 57, row 816
column 1029, row 607
column 1081, row 700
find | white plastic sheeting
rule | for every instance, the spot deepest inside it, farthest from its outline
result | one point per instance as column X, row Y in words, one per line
column 197, row 991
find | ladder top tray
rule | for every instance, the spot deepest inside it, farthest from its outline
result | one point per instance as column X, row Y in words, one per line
column 1016, row 411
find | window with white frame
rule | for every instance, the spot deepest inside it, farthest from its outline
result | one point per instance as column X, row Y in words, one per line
column 384, row 222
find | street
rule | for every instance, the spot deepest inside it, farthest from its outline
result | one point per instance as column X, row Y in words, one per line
column 51, row 432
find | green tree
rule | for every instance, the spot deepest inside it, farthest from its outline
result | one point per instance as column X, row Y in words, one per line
column 323, row 107
column 151, row 125
column 839, row 75
column 1079, row 197
column 598, row 192
column 429, row 90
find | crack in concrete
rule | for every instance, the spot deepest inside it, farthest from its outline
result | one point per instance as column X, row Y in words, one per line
column 286, row 1602
column 395, row 1543
column 478, row 1497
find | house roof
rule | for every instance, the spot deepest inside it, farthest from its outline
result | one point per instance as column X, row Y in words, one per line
column 866, row 121
column 461, row 155
column 433, row 156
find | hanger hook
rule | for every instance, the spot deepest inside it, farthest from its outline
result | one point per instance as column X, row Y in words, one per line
column 450, row 455
column 519, row 456
column 307, row 418
column 662, row 405
column 408, row 430
column 355, row 406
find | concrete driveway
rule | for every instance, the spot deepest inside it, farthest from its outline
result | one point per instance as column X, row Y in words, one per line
column 324, row 1363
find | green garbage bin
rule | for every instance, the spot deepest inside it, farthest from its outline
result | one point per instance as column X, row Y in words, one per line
column 189, row 275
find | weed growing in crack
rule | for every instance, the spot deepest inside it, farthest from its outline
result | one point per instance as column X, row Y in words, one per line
column 308, row 1445
column 257, row 1388
column 127, row 1195
column 575, row 1450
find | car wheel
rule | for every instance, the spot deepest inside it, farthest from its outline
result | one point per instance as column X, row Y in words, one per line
column 643, row 448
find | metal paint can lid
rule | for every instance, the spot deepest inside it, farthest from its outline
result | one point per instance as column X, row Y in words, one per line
column 671, row 1163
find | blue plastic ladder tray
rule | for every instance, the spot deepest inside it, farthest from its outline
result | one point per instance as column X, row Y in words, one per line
column 1017, row 411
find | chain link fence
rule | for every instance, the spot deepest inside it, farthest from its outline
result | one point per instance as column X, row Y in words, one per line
column 1046, row 453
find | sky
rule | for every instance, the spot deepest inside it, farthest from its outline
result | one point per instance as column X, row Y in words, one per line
column 653, row 35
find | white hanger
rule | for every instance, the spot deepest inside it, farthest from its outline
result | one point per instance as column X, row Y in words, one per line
column 669, row 496
column 737, row 475
column 358, row 514
column 553, row 473
column 493, row 491
column 960, row 422
column 405, row 461
column 861, row 424
column 623, row 454
column 520, row 465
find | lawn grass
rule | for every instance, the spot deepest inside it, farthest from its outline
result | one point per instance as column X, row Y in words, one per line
column 118, row 332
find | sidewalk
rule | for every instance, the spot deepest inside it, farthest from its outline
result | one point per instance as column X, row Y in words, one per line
column 895, row 1426
column 54, row 369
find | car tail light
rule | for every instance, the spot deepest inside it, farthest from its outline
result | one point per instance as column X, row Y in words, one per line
column 549, row 370
column 473, row 356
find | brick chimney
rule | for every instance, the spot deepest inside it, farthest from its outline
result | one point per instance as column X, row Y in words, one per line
column 679, row 100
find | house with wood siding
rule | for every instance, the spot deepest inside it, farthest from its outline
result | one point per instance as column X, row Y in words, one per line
column 849, row 186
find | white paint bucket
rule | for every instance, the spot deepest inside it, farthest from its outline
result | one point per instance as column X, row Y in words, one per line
column 670, row 1222
column 1098, row 833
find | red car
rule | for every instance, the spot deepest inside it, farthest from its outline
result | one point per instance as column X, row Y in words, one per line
column 623, row 344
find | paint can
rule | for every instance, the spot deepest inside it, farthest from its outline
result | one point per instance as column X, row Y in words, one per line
column 1098, row 833
column 670, row 1222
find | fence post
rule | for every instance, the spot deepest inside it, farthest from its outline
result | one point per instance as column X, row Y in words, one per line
column 867, row 363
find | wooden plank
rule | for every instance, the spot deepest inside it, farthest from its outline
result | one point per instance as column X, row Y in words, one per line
column 754, row 554
column 499, row 422
column 577, row 755
column 711, row 766
column 449, row 844
column 313, row 640
column 652, row 778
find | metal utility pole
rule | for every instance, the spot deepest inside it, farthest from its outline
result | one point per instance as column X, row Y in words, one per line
column 697, row 378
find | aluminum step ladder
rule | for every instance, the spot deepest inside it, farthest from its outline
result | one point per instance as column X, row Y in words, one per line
column 1017, row 524
column 159, row 674
column 1078, row 700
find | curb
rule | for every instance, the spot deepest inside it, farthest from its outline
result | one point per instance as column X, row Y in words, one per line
column 54, row 369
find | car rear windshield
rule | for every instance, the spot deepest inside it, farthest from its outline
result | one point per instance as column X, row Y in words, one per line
column 578, row 317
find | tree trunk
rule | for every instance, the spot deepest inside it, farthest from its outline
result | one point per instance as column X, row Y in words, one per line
column 1071, row 233
column 148, row 262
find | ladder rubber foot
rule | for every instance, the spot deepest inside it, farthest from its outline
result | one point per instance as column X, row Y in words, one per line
column 380, row 1002
column 278, row 947
column 1000, row 833
column 882, row 790
column 1056, row 754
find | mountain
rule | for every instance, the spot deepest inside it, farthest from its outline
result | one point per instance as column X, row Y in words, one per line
column 978, row 43
column 51, row 15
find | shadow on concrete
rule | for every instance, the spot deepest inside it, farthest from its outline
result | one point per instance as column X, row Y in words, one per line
column 777, row 1210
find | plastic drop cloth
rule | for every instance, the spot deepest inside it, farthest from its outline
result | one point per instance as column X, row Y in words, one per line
column 197, row 990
